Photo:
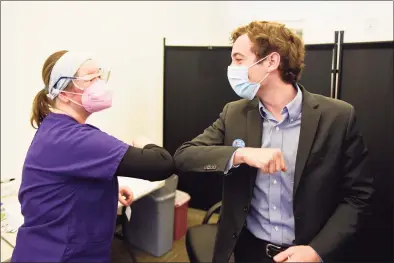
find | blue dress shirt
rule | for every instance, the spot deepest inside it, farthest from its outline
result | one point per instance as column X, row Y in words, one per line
column 271, row 215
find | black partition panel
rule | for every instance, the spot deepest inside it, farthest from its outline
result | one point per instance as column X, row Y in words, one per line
column 195, row 91
column 316, row 77
column 367, row 84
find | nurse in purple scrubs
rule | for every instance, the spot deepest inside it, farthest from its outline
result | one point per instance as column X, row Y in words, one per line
column 69, row 191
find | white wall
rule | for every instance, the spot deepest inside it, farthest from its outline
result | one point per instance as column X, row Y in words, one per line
column 362, row 21
column 127, row 37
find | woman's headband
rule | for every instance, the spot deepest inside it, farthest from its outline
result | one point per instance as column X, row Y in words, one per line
column 63, row 72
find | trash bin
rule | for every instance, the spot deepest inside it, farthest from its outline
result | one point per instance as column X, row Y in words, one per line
column 180, row 217
column 151, row 226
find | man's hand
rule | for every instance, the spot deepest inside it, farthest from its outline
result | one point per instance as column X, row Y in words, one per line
column 298, row 254
column 270, row 160
column 141, row 141
column 125, row 196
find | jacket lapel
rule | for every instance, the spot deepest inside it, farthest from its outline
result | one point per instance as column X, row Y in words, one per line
column 254, row 130
column 309, row 123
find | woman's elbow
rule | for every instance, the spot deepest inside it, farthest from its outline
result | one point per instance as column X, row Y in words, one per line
column 165, row 169
column 169, row 167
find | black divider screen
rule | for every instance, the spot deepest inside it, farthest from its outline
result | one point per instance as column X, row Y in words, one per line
column 316, row 77
column 195, row 91
column 367, row 84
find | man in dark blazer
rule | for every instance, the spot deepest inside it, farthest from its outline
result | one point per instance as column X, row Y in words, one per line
column 292, row 162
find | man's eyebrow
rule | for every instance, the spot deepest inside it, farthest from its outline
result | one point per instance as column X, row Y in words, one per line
column 237, row 54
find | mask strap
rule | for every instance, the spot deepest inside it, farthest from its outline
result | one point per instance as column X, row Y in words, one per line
column 267, row 72
column 69, row 92
column 264, row 77
column 71, row 99
column 258, row 61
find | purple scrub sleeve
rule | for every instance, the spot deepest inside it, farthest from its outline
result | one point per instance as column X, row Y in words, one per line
column 69, row 190
column 64, row 147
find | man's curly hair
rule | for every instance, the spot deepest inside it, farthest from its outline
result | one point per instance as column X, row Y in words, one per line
column 270, row 37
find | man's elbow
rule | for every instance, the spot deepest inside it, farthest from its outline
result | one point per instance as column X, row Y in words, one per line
column 179, row 160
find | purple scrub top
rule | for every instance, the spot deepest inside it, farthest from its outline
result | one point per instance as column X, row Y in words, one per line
column 69, row 193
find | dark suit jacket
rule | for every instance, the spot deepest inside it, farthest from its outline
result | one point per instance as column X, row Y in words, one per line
column 331, row 191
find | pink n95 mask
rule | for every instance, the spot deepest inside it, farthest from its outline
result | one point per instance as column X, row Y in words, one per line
column 95, row 98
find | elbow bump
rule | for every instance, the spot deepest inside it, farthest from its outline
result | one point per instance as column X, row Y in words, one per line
column 178, row 153
column 170, row 166
column 178, row 159
column 166, row 169
column 178, row 164
column 162, row 171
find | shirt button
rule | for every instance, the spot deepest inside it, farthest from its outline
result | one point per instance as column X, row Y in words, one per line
column 277, row 128
column 234, row 235
column 276, row 228
column 274, row 207
column 275, row 182
column 292, row 120
column 246, row 209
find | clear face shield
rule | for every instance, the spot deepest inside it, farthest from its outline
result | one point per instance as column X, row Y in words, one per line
column 83, row 82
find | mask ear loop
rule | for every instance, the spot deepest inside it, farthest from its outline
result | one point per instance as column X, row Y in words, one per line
column 264, row 77
column 257, row 63
column 76, row 85
column 60, row 94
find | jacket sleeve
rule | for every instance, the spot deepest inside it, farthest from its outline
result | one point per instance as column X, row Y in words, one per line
column 358, row 188
column 151, row 163
column 206, row 152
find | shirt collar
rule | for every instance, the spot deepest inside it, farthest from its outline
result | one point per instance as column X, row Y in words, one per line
column 293, row 107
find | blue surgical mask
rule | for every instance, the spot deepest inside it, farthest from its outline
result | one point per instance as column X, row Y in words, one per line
column 238, row 76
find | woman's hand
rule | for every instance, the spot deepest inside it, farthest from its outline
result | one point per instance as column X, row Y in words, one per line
column 125, row 196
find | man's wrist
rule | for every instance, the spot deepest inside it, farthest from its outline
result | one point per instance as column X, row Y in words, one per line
column 239, row 156
column 321, row 260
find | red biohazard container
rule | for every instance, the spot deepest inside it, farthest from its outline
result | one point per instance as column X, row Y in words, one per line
column 180, row 218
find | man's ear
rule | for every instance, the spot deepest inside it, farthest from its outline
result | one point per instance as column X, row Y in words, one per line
column 274, row 61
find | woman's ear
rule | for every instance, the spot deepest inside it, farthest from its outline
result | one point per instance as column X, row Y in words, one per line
column 63, row 98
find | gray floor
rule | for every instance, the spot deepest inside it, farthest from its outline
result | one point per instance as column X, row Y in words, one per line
column 176, row 254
